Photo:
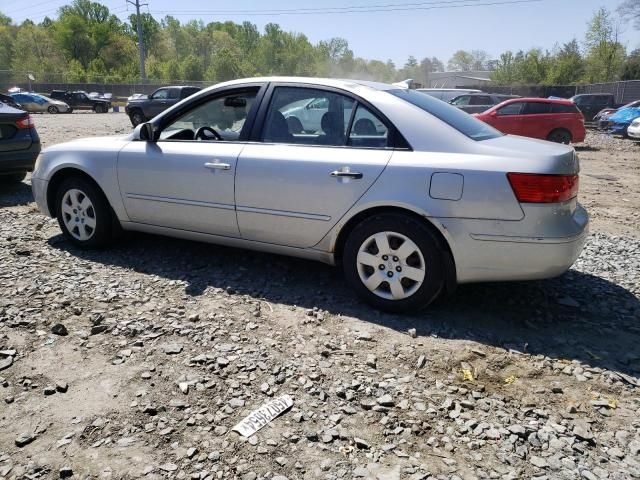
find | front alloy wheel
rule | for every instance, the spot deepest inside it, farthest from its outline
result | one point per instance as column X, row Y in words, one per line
column 52, row 109
column 394, row 262
column 84, row 215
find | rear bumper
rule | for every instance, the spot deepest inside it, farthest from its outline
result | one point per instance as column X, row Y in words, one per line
column 20, row 160
column 485, row 257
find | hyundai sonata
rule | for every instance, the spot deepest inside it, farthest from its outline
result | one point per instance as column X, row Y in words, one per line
column 411, row 196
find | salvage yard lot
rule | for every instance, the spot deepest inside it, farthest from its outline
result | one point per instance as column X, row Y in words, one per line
column 171, row 343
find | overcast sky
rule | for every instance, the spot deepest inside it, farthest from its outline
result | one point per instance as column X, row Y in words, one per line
column 394, row 34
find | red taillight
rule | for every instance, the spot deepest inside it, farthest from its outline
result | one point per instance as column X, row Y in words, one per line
column 537, row 188
column 26, row 122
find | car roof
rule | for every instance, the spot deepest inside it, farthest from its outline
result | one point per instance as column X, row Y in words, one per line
column 346, row 84
column 468, row 90
column 539, row 100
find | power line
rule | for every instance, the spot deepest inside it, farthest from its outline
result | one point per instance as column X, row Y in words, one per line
column 345, row 10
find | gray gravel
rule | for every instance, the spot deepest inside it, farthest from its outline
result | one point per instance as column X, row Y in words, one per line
column 170, row 343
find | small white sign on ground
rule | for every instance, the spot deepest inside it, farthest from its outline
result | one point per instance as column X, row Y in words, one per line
column 263, row 415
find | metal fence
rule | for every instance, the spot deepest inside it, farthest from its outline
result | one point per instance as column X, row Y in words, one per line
column 625, row 92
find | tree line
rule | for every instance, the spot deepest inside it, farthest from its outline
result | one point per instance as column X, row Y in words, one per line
column 87, row 43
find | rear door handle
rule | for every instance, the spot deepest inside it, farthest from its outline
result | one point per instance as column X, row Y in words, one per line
column 217, row 166
column 346, row 173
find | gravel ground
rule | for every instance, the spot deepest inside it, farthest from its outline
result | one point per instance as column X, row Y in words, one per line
column 138, row 361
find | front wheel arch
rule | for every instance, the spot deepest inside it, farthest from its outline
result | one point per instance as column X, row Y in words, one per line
column 60, row 176
column 449, row 259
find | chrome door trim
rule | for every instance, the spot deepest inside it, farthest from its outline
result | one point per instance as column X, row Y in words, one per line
column 284, row 213
column 180, row 201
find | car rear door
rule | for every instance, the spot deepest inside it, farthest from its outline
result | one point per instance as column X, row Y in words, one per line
column 292, row 188
column 537, row 120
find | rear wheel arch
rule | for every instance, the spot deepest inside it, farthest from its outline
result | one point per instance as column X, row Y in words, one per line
column 443, row 243
column 559, row 131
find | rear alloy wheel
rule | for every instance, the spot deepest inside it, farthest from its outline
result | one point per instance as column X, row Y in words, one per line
column 136, row 118
column 83, row 213
column 394, row 263
column 560, row 136
column 53, row 109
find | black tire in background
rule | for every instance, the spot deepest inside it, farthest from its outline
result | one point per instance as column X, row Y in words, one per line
column 13, row 178
column 53, row 109
column 136, row 117
column 418, row 233
column 560, row 135
column 104, row 229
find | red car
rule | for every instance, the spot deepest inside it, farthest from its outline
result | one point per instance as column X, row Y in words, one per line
column 555, row 120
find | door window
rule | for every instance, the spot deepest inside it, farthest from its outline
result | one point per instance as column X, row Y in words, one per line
column 463, row 100
column 289, row 120
column 367, row 130
column 161, row 94
column 536, row 108
column 225, row 115
column 480, row 100
column 511, row 109
column 173, row 94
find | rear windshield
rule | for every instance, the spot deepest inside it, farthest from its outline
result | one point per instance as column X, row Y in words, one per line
column 456, row 118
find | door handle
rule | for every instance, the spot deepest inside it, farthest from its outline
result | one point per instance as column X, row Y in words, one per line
column 217, row 166
column 346, row 174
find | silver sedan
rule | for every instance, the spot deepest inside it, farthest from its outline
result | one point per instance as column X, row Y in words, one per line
column 409, row 195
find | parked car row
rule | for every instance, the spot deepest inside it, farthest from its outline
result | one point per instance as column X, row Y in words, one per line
column 59, row 101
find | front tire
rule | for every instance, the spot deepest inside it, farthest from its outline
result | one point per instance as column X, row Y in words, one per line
column 53, row 109
column 136, row 118
column 84, row 214
column 394, row 263
column 101, row 109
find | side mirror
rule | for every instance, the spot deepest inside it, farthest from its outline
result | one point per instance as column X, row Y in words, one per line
column 494, row 113
column 144, row 132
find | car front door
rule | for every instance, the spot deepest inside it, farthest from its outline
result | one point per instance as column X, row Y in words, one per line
column 185, row 180
column 508, row 119
column 158, row 102
column 292, row 187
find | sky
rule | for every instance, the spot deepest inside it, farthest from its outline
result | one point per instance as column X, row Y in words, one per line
column 405, row 27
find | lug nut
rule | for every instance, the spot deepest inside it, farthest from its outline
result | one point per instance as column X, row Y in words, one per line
column 385, row 257
column 395, row 259
column 389, row 274
column 398, row 269
column 381, row 267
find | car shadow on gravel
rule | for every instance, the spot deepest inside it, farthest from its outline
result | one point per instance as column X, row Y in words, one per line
column 575, row 317
column 14, row 194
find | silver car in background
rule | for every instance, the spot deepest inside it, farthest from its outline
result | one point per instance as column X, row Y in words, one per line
column 36, row 103
column 410, row 204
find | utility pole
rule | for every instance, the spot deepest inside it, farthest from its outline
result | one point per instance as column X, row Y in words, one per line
column 137, row 4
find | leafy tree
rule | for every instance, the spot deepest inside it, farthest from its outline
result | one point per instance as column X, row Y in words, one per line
column 568, row 65
column 461, row 61
column 631, row 69
column 605, row 54
column 629, row 10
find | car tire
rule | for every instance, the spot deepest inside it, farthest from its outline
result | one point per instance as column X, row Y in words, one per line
column 70, row 110
column 53, row 109
column 560, row 135
column 394, row 262
column 84, row 214
column 136, row 117
column 101, row 109
column 13, row 178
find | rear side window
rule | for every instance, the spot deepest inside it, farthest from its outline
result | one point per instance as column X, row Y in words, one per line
column 452, row 116
column 367, row 131
column 537, row 108
column 480, row 100
column 561, row 108
column 173, row 94
column 187, row 92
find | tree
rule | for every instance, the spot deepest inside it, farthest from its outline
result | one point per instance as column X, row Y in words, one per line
column 480, row 58
column 568, row 65
column 605, row 54
column 461, row 61
column 629, row 11
column 631, row 69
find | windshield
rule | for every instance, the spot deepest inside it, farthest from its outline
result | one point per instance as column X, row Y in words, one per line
column 454, row 117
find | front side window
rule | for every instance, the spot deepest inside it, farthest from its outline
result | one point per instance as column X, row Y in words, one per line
column 462, row 100
column 160, row 94
column 221, row 118
column 452, row 116
column 511, row 109
column 290, row 120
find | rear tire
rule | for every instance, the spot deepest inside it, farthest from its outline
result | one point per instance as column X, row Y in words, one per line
column 560, row 136
column 100, row 109
column 84, row 214
column 394, row 263
column 53, row 109
column 136, row 117
column 13, row 178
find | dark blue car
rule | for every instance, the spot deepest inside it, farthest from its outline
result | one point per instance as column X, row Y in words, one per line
column 19, row 144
